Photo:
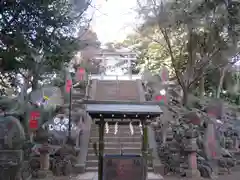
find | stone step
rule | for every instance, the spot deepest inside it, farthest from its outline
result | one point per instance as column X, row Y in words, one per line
column 76, row 95
column 92, row 158
column 117, row 139
column 122, row 127
column 93, row 175
column 119, row 144
column 92, row 163
column 91, row 169
column 128, row 150
column 119, row 134
column 95, row 169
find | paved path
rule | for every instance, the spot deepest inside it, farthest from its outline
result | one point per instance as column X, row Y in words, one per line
column 151, row 176
column 232, row 176
column 94, row 176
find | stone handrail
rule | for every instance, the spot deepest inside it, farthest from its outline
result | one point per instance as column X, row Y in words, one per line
column 84, row 138
column 152, row 143
column 158, row 167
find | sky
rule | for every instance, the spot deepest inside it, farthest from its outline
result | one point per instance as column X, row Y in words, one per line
column 113, row 19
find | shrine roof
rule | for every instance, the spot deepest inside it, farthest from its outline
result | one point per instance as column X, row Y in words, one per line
column 130, row 110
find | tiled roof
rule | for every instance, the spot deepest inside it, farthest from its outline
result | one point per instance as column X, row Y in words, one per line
column 126, row 108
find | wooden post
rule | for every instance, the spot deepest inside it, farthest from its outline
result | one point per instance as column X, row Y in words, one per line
column 144, row 146
column 101, row 149
column 70, row 114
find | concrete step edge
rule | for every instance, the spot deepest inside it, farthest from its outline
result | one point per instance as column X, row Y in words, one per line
column 135, row 143
column 124, row 137
column 110, row 148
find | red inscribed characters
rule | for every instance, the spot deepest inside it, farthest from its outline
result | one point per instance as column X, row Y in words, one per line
column 33, row 122
column 81, row 74
column 164, row 75
column 211, row 145
column 68, row 86
column 161, row 98
column 212, row 113
column 193, row 160
column 212, row 142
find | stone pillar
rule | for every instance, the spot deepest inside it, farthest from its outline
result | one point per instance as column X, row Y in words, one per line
column 103, row 67
column 236, row 143
column 79, row 167
column 129, row 67
column 223, row 141
column 164, row 136
column 44, row 162
column 211, row 148
column 191, row 149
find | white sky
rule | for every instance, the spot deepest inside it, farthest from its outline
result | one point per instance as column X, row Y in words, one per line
column 114, row 19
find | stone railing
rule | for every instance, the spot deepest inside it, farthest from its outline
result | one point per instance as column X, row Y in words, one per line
column 84, row 138
column 157, row 165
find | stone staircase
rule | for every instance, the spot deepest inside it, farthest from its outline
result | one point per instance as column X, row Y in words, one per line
column 77, row 94
column 117, row 90
column 123, row 142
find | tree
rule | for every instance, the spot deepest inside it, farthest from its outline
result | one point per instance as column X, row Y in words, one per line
column 86, row 56
column 194, row 35
column 36, row 36
column 147, row 52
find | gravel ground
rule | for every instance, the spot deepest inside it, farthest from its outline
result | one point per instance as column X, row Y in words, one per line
column 232, row 176
column 235, row 175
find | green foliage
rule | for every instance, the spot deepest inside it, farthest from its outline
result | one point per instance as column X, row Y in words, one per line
column 37, row 36
column 196, row 37
column 150, row 55
column 232, row 98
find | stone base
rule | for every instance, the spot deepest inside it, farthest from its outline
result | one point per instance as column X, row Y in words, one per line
column 158, row 168
column 223, row 171
column 79, row 169
column 94, row 176
column 193, row 174
column 42, row 174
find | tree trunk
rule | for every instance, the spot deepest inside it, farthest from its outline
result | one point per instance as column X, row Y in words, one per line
column 220, row 84
column 185, row 96
column 35, row 82
column 202, row 88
